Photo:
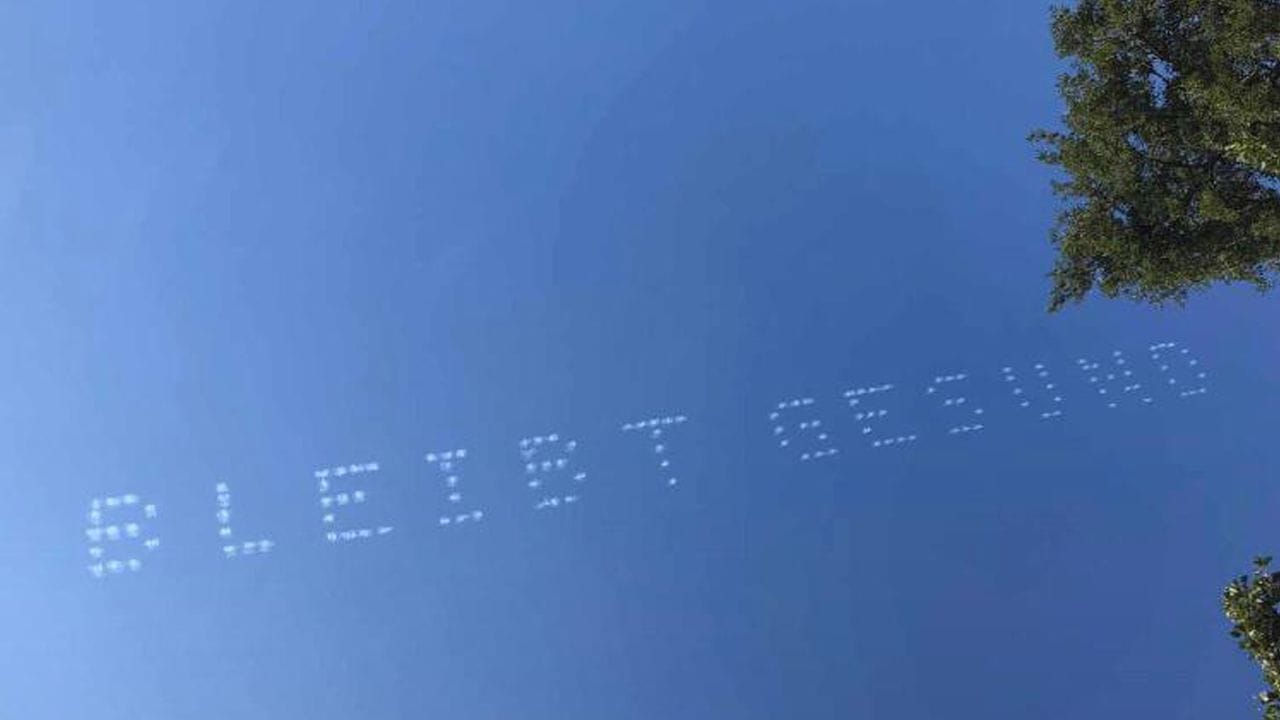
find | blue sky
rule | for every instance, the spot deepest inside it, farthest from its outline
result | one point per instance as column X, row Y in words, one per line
column 244, row 243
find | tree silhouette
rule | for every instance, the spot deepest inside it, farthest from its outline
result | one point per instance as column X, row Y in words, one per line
column 1172, row 147
column 1250, row 603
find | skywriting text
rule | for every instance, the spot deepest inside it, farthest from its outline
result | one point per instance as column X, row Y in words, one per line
column 121, row 527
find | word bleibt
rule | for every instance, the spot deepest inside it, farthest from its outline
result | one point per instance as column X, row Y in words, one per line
column 556, row 482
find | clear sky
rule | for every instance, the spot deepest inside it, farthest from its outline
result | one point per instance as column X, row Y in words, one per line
column 242, row 242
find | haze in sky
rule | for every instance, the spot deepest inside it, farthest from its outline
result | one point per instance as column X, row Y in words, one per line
column 591, row 360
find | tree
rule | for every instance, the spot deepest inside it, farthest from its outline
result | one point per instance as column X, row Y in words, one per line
column 1172, row 147
column 1250, row 604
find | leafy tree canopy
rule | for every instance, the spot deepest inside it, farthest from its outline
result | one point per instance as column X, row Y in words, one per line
column 1171, row 145
column 1250, row 604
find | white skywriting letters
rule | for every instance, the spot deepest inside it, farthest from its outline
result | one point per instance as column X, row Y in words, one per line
column 1113, row 380
column 231, row 549
column 797, row 427
column 548, row 474
column 336, row 497
column 115, row 533
column 1180, row 371
column 964, row 415
column 457, row 511
column 877, row 416
column 869, row 406
column 656, row 429
column 1034, row 391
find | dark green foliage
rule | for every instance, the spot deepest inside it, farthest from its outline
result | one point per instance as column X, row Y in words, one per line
column 1250, row 604
column 1171, row 144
